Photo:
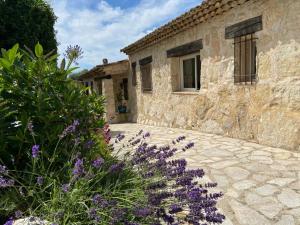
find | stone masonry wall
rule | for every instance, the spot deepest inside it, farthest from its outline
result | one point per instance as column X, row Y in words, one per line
column 267, row 112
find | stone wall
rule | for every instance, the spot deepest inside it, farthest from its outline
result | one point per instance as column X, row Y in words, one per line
column 110, row 106
column 267, row 112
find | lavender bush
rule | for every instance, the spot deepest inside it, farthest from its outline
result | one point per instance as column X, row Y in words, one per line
column 147, row 186
column 174, row 193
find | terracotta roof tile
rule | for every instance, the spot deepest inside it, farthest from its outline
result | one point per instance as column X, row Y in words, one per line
column 198, row 14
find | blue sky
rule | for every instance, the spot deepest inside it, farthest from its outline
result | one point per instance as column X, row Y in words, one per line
column 103, row 27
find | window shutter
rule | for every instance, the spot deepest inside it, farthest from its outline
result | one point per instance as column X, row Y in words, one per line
column 146, row 77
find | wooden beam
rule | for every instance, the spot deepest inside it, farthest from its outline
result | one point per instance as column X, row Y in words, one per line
column 185, row 49
column 245, row 27
column 145, row 61
column 104, row 77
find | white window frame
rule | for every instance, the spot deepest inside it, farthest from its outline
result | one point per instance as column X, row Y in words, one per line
column 181, row 72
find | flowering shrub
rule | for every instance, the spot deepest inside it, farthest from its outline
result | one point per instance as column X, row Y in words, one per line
column 174, row 193
column 39, row 105
column 36, row 93
column 146, row 187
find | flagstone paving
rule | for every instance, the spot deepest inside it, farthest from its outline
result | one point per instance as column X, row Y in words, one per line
column 261, row 184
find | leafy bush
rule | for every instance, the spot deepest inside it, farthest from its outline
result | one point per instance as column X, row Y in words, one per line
column 35, row 92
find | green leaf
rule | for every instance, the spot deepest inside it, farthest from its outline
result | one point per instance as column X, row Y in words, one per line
column 72, row 69
column 38, row 50
column 63, row 64
column 5, row 63
column 12, row 53
column 52, row 58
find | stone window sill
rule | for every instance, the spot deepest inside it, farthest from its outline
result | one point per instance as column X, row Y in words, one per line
column 185, row 92
column 147, row 92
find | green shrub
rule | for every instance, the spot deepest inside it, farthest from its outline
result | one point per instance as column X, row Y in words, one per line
column 34, row 92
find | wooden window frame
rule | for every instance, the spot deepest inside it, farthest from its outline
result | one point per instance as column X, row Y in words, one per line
column 195, row 56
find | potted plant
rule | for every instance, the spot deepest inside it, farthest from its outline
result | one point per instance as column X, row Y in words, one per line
column 122, row 108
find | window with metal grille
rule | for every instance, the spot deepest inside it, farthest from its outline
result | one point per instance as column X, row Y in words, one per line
column 146, row 77
column 245, row 59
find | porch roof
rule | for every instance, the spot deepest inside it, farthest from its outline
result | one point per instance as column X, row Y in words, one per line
column 104, row 70
column 199, row 14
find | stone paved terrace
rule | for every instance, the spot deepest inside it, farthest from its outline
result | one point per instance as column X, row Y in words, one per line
column 261, row 184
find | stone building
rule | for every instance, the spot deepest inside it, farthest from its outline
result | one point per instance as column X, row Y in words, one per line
column 111, row 81
column 229, row 67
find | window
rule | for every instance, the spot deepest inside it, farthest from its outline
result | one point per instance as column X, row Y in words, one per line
column 190, row 72
column 244, row 48
column 133, row 70
column 245, row 59
column 146, row 73
column 146, row 77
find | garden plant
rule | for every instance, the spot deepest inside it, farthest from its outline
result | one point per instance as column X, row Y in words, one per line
column 59, row 163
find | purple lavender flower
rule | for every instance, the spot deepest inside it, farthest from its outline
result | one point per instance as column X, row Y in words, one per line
column 142, row 212
column 18, row 214
column 78, row 168
column 180, row 138
column 69, row 129
column 89, row 144
column 35, row 151
column 4, row 183
column 99, row 201
column 10, row 221
column 93, row 215
column 119, row 138
column 66, row 187
column 117, row 167
column 40, row 181
column 147, row 134
column 188, row 146
column 174, row 208
column 97, row 163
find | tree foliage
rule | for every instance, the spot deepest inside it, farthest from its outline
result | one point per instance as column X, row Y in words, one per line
column 27, row 22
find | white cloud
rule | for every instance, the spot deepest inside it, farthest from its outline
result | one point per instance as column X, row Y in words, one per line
column 104, row 30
